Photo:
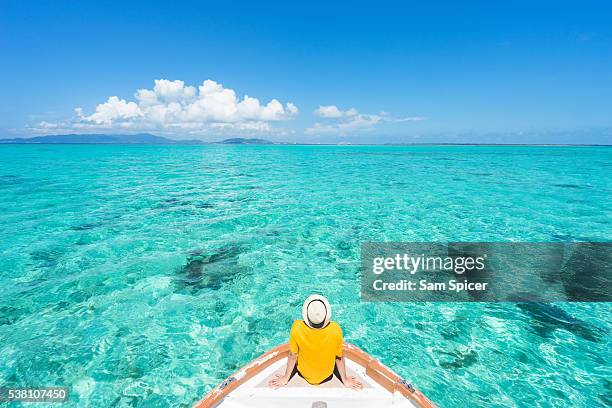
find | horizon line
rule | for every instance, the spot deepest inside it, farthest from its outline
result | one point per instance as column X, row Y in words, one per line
column 152, row 139
column 221, row 142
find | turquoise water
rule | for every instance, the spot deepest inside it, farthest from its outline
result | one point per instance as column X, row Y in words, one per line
column 143, row 275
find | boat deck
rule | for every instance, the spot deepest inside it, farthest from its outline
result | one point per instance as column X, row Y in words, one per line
column 299, row 394
column 248, row 387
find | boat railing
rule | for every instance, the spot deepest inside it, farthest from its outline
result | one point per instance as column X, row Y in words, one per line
column 380, row 373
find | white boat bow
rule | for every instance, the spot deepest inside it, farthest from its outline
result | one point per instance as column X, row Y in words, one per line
column 248, row 387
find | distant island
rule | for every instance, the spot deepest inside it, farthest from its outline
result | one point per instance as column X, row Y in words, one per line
column 142, row 138
column 149, row 139
column 240, row 140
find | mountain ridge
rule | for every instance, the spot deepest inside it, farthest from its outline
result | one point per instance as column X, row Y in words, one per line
column 140, row 138
column 98, row 138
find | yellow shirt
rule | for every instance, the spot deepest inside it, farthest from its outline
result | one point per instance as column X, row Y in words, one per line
column 317, row 349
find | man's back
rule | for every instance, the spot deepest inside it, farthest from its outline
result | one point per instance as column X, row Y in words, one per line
column 317, row 349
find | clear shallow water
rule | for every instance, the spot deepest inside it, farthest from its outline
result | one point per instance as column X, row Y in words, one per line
column 143, row 275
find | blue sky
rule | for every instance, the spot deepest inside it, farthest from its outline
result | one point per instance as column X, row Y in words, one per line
column 314, row 72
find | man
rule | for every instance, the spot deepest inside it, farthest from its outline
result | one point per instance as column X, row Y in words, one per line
column 315, row 344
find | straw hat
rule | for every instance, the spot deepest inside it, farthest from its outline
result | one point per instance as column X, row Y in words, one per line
column 316, row 311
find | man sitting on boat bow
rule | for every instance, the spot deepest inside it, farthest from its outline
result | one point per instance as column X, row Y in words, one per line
column 315, row 344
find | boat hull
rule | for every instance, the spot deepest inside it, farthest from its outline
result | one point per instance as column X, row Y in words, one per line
column 248, row 386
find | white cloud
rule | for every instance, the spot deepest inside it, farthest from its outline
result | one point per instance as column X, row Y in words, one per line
column 173, row 90
column 332, row 111
column 113, row 109
column 173, row 107
column 350, row 120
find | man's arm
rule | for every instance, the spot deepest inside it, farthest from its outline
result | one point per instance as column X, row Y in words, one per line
column 350, row 382
column 282, row 380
